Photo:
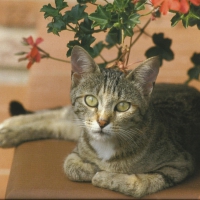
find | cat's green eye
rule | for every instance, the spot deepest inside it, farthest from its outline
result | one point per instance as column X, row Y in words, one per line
column 91, row 101
column 122, row 106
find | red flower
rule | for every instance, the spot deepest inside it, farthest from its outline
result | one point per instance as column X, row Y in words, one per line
column 195, row 2
column 34, row 55
column 175, row 5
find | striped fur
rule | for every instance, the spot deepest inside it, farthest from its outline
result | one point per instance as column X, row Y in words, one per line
column 152, row 145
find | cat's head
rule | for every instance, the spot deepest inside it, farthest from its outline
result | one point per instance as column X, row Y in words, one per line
column 109, row 101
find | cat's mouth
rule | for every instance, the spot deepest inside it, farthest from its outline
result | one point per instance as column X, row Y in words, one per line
column 99, row 134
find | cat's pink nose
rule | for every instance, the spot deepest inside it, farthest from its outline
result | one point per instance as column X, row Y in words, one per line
column 102, row 123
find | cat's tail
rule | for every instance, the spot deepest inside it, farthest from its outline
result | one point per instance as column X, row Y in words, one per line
column 16, row 108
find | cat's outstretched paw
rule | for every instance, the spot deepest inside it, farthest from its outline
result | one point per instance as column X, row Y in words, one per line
column 5, row 134
column 12, row 122
column 8, row 138
column 9, row 132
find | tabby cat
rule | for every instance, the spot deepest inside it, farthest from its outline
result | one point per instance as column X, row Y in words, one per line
column 132, row 138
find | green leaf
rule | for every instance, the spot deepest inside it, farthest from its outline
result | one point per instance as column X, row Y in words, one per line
column 128, row 31
column 78, row 12
column 98, row 48
column 70, row 46
column 113, row 37
column 86, row 1
column 56, row 26
column 60, row 4
column 140, row 5
column 185, row 21
column 194, row 16
column 189, row 19
column 86, row 25
column 87, row 40
column 49, row 11
column 101, row 17
column 134, row 20
column 120, row 5
column 109, row 7
column 177, row 17
column 75, row 14
column 84, row 29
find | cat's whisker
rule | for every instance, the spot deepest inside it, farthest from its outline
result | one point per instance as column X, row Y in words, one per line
column 79, row 123
column 140, row 140
column 126, row 136
column 139, row 130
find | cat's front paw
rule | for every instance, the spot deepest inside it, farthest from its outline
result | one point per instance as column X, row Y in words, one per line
column 4, row 137
column 78, row 170
column 8, row 138
column 123, row 183
column 12, row 122
column 9, row 132
column 5, row 124
column 103, row 179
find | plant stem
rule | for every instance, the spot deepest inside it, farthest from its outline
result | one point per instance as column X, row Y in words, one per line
column 58, row 59
column 73, row 29
column 122, row 34
column 92, row 31
column 148, row 12
column 129, row 51
column 47, row 55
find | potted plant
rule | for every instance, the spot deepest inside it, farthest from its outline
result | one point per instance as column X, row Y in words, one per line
column 119, row 20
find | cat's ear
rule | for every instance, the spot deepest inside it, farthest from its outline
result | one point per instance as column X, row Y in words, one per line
column 82, row 62
column 144, row 76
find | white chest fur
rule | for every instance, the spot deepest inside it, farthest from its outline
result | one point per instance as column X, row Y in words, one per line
column 105, row 149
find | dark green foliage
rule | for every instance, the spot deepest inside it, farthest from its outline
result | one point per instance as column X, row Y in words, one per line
column 101, row 17
column 118, row 19
column 57, row 23
column 75, row 14
column 190, row 19
column 98, row 48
